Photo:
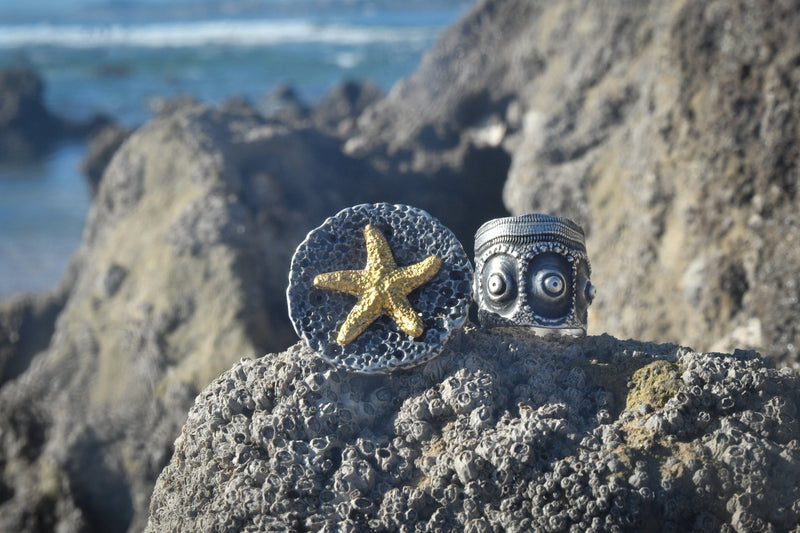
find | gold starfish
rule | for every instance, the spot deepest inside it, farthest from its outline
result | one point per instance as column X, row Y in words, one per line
column 381, row 287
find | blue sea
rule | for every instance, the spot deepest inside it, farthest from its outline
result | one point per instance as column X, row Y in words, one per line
column 116, row 56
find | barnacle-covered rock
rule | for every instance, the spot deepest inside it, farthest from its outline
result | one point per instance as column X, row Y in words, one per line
column 510, row 432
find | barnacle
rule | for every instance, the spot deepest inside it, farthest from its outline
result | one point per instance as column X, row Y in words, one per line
column 513, row 440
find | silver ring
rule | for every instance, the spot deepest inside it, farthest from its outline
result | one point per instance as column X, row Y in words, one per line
column 533, row 270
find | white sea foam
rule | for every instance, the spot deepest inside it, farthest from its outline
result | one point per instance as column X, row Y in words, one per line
column 348, row 60
column 220, row 32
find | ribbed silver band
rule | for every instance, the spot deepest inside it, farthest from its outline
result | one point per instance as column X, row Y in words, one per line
column 530, row 229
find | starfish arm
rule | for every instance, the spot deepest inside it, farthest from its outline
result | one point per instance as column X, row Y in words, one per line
column 404, row 315
column 349, row 281
column 379, row 255
column 362, row 315
column 412, row 276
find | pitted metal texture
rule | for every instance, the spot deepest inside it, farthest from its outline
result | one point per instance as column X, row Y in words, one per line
column 339, row 244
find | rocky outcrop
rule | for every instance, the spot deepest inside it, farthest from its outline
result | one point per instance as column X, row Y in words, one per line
column 503, row 431
column 186, row 251
column 338, row 110
column 27, row 127
column 283, row 103
column 669, row 130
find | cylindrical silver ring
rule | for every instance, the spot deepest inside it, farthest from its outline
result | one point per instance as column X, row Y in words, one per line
column 533, row 270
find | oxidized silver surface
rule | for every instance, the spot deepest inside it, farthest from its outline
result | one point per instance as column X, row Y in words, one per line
column 339, row 244
column 532, row 270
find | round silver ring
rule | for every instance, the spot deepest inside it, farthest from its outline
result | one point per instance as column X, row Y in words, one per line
column 532, row 270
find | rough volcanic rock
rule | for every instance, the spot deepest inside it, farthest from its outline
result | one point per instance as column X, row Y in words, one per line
column 186, row 252
column 504, row 431
column 669, row 130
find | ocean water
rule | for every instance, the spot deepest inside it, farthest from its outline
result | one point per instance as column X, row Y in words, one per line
column 115, row 57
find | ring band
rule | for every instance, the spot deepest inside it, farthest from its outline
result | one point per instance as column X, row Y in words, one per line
column 532, row 270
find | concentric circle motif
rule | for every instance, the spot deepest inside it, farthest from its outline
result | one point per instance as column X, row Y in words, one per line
column 325, row 295
column 532, row 270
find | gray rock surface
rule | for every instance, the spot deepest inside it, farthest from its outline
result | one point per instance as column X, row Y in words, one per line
column 504, row 431
column 186, row 250
column 103, row 144
column 668, row 130
column 27, row 322
column 338, row 110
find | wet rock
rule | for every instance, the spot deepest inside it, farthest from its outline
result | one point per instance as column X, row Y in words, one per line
column 27, row 128
column 511, row 432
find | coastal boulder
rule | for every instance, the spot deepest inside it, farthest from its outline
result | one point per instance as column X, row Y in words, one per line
column 504, row 431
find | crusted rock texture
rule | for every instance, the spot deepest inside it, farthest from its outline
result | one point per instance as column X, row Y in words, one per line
column 504, row 431
column 668, row 129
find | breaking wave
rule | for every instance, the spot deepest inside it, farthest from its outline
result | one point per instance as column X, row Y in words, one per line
column 243, row 33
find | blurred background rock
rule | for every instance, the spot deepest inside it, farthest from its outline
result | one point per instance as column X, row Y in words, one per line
column 669, row 130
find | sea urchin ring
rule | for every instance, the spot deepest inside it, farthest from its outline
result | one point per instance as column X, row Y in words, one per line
column 379, row 287
column 532, row 270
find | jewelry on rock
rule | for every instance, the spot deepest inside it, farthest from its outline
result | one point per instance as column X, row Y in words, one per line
column 532, row 270
column 379, row 287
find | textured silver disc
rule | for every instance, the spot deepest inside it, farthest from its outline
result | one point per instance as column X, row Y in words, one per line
column 442, row 303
